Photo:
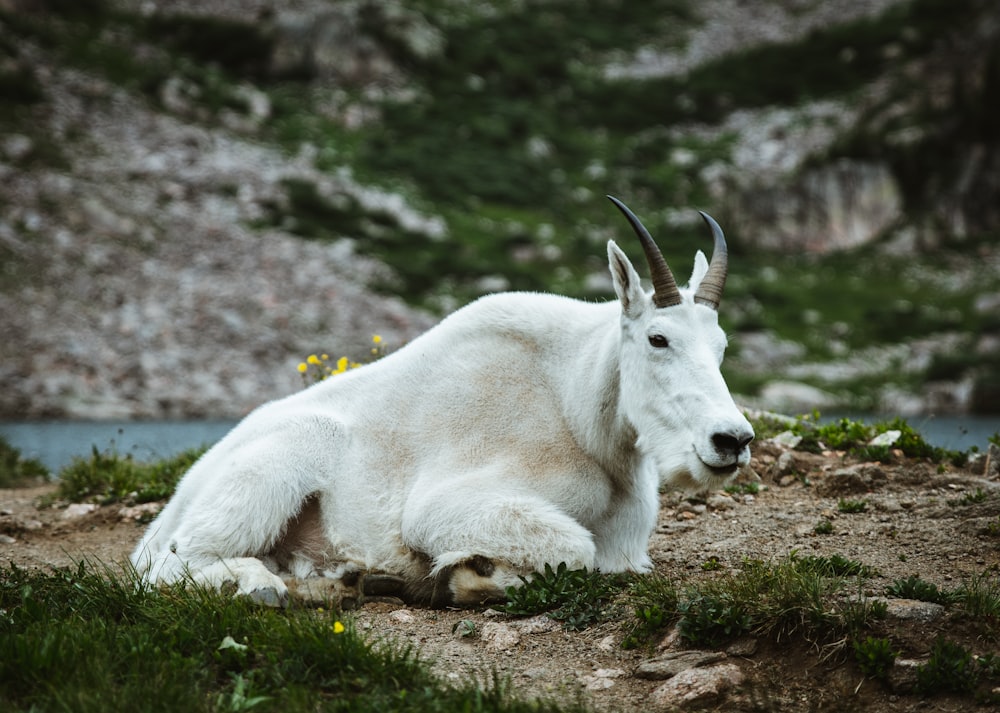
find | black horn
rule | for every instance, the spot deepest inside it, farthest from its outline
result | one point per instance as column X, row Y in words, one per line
column 709, row 292
column 665, row 292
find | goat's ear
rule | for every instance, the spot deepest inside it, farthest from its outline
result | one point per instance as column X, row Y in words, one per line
column 700, row 268
column 626, row 281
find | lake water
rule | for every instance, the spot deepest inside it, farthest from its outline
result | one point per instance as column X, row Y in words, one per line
column 57, row 443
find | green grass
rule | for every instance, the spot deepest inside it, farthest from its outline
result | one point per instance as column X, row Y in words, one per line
column 854, row 437
column 79, row 640
column 796, row 596
column 107, row 477
column 17, row 471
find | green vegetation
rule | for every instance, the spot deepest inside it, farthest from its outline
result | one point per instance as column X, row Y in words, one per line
column 852, row 507
column 84, row 640
column 951, row 668
column 913, row 587
column 973, row 498
column 874, row 656
column 109, row 477
column 823, row 527
column 18, row 471
column 577, row 598
column 855, row 438
column 796, row 596
column 513, row 132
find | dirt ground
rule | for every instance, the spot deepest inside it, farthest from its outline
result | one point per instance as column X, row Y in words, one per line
column 940, row 524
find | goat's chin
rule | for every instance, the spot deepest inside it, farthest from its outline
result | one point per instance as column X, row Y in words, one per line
column 698, row 476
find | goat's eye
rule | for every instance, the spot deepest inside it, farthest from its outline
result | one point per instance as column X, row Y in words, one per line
column 658, row 341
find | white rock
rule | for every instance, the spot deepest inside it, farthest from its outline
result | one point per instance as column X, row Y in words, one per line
column 499, row 636
column 78, row 510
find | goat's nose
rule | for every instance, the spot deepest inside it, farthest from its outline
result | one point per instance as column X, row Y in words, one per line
column 731, row 443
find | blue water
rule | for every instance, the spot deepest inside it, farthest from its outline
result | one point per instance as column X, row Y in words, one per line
column 57, row 443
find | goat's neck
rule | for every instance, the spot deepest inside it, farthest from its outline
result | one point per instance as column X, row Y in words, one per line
column 592, row 402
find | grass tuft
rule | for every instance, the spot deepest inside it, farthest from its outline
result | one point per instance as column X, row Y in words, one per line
column 16, row 471
column 577, row 598
column 110, row 477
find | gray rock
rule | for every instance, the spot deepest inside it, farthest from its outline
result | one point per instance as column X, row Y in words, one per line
column 670, row 664
column 912, row 609
column 697, row 686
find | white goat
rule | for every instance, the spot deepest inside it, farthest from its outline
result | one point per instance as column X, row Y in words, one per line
column 524, row 429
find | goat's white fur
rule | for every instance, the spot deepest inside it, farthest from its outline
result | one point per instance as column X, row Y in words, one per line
column 525, row 429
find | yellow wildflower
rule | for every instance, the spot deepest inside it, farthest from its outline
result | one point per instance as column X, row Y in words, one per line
column 376, row 339
column 338, row 628
column 342, row 365
column 313, row 359
column 303, row 367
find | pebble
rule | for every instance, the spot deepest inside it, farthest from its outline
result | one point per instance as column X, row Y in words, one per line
column 499, row 636
column 601, row 679
column 402, row 616
column 78, row 510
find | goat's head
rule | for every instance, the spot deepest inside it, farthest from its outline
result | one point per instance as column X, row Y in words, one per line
column 672, row 391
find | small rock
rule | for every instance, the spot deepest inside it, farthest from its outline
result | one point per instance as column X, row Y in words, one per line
column 697, row 686
column 536, row 625
column 743, row 647
column 601, row 679
column 499, row 636
column 912, row 609
column 138, row 512
column 7, row 540
column 402, row 616
column 885, row 439
column 889, row 504
column 32, row 525
column 720, row 502
column 903, row 675
column 671, row 664
column 78, row 510
column 787, row 439
column 16, row 146
column 608, row 643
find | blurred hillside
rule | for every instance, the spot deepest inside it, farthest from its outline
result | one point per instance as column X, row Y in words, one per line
column 195, row 195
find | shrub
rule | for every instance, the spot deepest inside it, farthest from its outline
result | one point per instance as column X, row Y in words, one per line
column 875, row 656
column 576, row 597
column 913, row 587
column 950, row 669
column 16, row 470
column 708, row 619
column 852, row 506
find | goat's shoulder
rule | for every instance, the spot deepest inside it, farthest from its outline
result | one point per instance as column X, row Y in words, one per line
column 529, row 312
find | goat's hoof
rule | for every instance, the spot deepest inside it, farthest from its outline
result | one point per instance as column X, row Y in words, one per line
column 383, row 585
column 268, row 597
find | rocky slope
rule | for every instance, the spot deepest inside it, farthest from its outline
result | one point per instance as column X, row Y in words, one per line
column 143, row 278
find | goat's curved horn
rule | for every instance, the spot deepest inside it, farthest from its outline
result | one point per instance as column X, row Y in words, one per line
column 709, row 292
column 665, row 292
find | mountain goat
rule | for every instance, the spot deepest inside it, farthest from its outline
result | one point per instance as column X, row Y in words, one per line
column 524, row 429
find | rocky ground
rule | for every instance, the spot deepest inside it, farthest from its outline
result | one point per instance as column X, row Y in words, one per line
column 939, row 523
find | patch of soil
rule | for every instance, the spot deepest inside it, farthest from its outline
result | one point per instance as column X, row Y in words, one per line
column 940, row 523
